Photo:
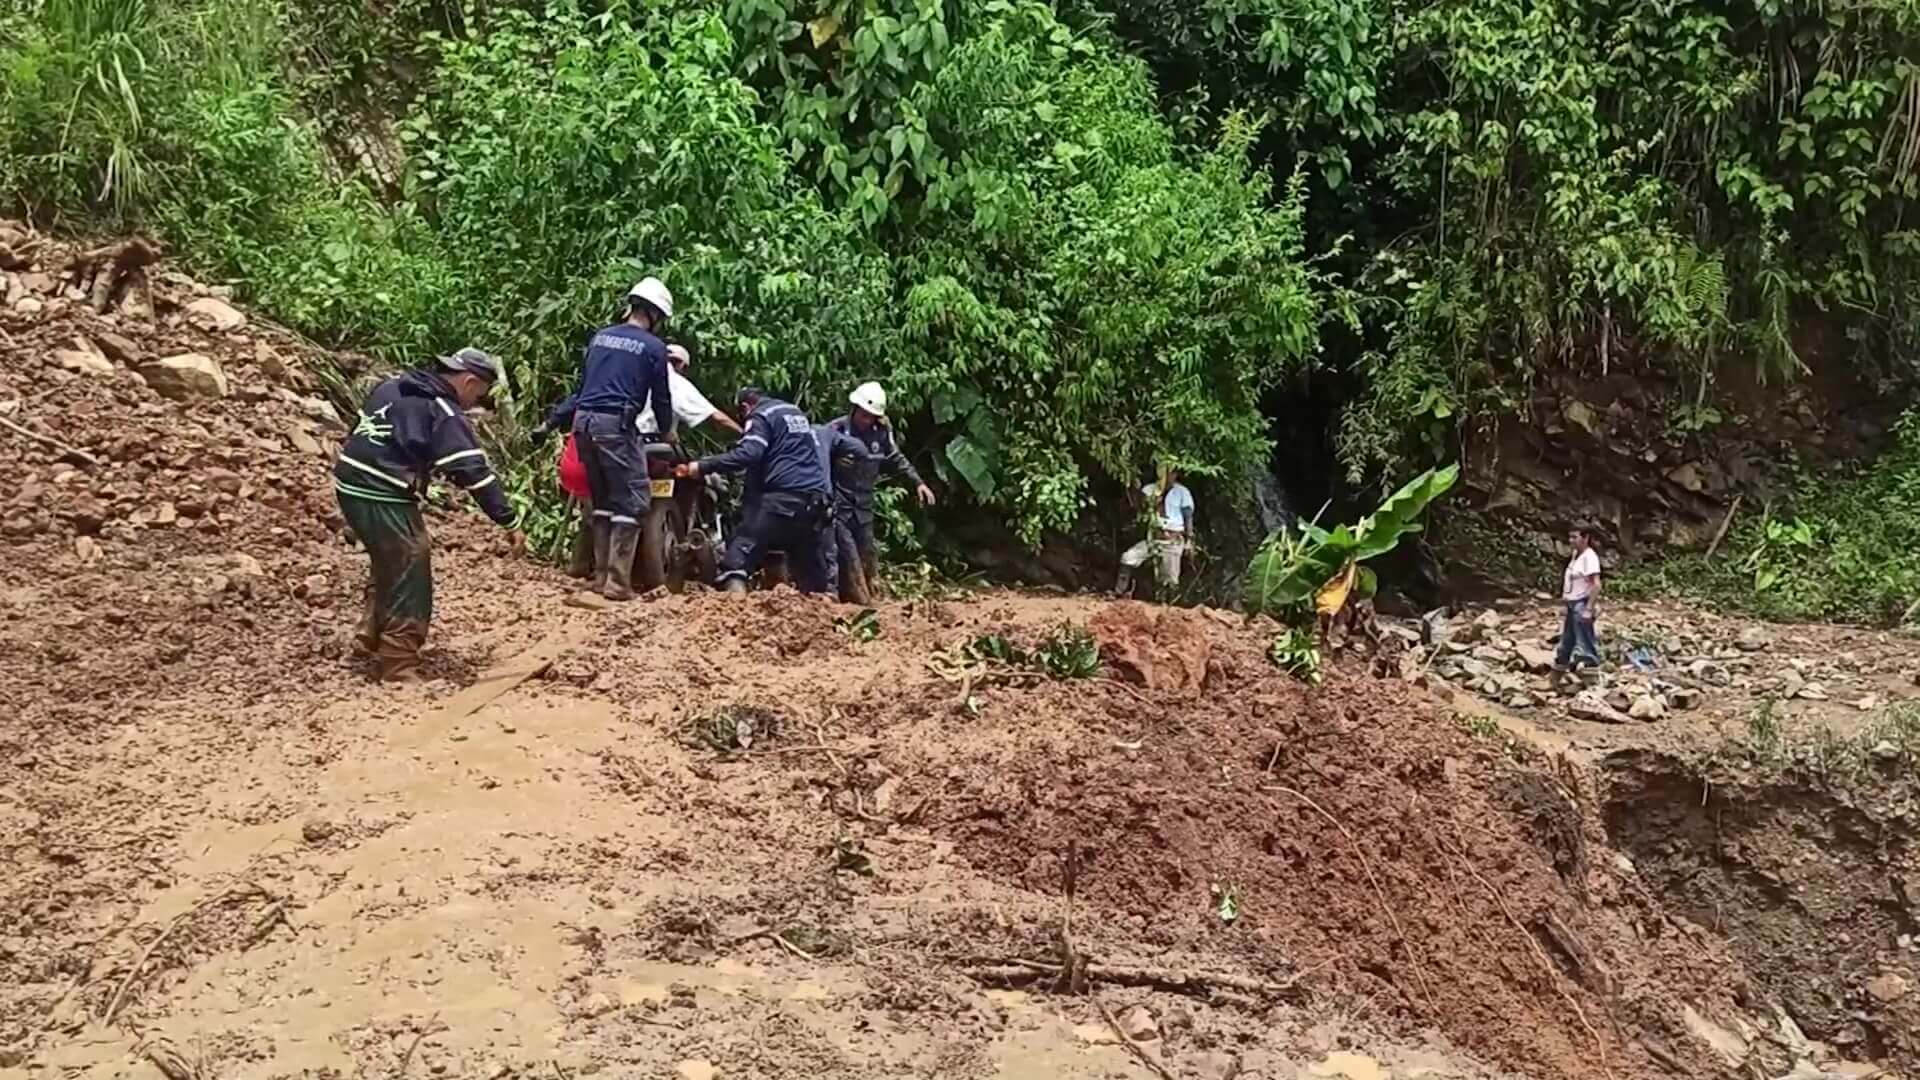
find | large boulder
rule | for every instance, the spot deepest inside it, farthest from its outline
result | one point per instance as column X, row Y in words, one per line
column 186, row 377
column 1159, row 648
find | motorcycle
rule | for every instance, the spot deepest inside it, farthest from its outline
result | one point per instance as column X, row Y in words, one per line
column 683, row 534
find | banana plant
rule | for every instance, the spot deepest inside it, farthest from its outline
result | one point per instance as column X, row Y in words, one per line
column 1293, row 564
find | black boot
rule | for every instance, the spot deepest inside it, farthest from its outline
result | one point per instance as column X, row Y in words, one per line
column 621, row 547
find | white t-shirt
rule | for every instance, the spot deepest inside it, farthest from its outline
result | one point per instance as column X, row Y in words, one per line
column 1179, row 506
column 1581, row 570
column 689, row 404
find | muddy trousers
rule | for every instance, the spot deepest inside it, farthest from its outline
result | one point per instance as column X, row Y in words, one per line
column 400, row 590
column 859, row 560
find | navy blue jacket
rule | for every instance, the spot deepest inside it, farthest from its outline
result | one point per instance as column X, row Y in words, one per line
column 625, row 368
column 777, row 451
column 854, row 475
column 410, row 428
column 837, row 445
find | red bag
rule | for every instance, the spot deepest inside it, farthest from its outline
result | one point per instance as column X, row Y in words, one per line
column 573, row 475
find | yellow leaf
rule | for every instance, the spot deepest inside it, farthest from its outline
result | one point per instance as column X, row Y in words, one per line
column 824, row 28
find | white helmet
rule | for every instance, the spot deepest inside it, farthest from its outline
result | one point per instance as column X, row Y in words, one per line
column 868, row 397
column 678, row 355
column 653, row 291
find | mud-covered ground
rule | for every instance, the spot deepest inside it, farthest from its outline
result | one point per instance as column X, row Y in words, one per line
column 764, row 838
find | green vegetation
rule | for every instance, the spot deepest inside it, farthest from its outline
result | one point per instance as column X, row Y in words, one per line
column 1297, row 653
column 1890, row 742
column 1067, row 652
column 1845, row 545
column 1074, row 237
column 1295, row 564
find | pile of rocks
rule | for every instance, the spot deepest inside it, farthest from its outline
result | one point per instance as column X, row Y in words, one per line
column 1682, row 664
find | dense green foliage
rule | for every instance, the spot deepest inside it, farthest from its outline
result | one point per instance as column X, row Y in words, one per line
column 1845, row 545
column 1073, row 237
column 996, row 219
column 1586, row 184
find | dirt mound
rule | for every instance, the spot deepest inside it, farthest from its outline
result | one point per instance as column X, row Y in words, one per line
column 1162, row 648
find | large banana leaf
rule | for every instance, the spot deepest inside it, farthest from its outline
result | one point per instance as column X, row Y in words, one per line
column 1293, row 564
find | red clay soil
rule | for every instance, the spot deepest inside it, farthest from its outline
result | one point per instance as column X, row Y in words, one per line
column 1379, row 854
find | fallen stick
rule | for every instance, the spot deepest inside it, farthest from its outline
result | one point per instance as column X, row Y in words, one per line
column 1720, row 533
column 1192, row 983
column 119, row 995
column 71, row 451
column 418, row 1034
column 1126, row 1040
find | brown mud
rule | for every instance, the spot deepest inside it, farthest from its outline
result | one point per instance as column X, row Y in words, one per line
column 730, row 837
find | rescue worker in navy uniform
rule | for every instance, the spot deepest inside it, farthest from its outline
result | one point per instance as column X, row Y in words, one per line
column 788, row 502
column 625, row 371
column 854, row 477
column 412, row 426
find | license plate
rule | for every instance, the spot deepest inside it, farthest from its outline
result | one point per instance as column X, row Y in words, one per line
column 663, row 489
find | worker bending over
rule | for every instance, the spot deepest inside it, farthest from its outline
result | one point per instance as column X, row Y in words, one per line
column 854, row 477
column 787, row 504
column 412, row 426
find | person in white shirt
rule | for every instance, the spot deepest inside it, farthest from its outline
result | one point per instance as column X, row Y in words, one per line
column 690, row 406
column 1580, row 592
column 1171, row 532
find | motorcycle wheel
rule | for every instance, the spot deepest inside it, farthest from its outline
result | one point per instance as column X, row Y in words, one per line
column 658, row 536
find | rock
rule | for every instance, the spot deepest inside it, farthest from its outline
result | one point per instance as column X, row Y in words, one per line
column 1345, row 1066
column 1217, row 1065
column 696, row 1069
column 1813, row 691
column 1791, row 683
column 186, row 376
column 165, row 514
column 1165, row 648
column 1488, row 620
column 313, row 589
column 224, row 480
column 596, row 1004
column 215, row 314
column 1867, row 703
column 318, row 831
column 245, row 565
column 1139, row 1024
column 304, row 443
column 1884, row 751
column 86, row 549
column 37, row 282
column 118, row 348
column 1520, row 700
column 271, row 364
column 1688, row 476
column 1095, row 1034
column 1433, row 630
column 1580, row 415
column 1753, row 639
column 1685, row 697
column 84, row 363
column 1619, row 699
column 1534, row 658
column 28, row 306
column 1709, row 672
column 1492, row 654
column 1887, row 987
column 1589, row 705
column 1647, row 707
column 320, row 409
column 12, row 1057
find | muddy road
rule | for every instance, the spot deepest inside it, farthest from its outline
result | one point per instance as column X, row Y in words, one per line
column 704, row 836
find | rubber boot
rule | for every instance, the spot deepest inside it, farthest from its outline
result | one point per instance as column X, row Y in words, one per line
column 602, row 542
column 581, row 564
column 621, row 548
column 870, row 573
column 734, row 584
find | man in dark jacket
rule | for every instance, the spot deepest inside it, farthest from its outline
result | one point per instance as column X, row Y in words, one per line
column 854, row 478
column 412, row 426
column 625, row 371
column 787, row 503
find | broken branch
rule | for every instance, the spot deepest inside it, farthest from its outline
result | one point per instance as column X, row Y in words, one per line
column 69, row 450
